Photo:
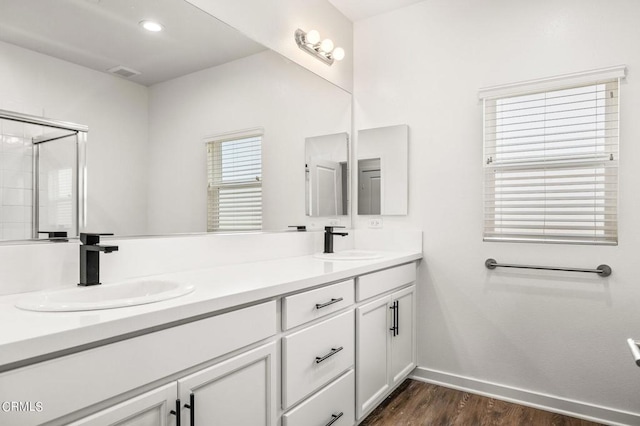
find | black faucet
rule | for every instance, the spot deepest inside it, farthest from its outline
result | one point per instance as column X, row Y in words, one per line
column 90, row 258
column 328, row 237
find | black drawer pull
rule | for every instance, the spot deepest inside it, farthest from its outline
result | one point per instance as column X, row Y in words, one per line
column 334, row 418
column 330, row 302
column 176, row 412
column 334, row 351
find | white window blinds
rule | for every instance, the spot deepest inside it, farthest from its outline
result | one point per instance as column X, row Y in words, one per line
column 234, row 199
column 551, row 165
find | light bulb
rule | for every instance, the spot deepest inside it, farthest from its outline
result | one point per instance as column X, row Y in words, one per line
column 151, row 26
column 326, row 45
column 312, row 37
column 338, row 53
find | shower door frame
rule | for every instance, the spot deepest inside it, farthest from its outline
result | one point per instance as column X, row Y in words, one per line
column 80, row 131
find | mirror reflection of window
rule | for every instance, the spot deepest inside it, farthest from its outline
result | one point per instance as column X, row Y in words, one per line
column 369, row 186
column 234, row 196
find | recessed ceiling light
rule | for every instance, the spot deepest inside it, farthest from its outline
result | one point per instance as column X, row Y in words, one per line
column 151, row 26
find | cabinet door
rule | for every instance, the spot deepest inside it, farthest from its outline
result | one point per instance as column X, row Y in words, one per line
column 372, row 374
column 238, row 392
column 149, row 409
column 403, row 343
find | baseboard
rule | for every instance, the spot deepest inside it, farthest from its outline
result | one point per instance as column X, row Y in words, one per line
column 551, row 403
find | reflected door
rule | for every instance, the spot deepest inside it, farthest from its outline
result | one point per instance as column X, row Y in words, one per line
column 325, row 179
column 369, row 186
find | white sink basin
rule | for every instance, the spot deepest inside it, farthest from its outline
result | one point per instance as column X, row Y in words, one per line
column 130, row 293
column 349, row 255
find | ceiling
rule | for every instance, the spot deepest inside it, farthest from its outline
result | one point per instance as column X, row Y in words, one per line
column 105, row 34
column 357, row 10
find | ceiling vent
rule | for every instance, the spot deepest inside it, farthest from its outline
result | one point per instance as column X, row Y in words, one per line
column 123, row 71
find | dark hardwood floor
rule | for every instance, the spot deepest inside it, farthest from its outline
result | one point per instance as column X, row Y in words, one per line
column 420, row 404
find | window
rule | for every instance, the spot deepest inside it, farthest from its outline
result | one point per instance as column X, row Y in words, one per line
column 234, row 195
column 551, row 164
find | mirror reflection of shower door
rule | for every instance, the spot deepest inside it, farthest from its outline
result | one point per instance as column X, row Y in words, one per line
column 325, row 179
column 42, row 177
column 369, row 186
column 56, row 180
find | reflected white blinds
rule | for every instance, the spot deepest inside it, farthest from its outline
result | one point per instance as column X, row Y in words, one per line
column 551, row 165
column 234, row 195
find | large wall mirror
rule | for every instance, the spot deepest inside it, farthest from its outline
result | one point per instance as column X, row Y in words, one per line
column 153, row 102
column 382, row 170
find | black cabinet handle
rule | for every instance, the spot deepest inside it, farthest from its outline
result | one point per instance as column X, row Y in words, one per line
column 334, row 351
column 394, row 326
column 334, row 418
column 330, row 302
column 176, row 412
column 397, row 312
column 192, row 409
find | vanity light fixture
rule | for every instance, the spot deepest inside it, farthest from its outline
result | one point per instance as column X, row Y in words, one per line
column 323, row 50
column 152, row 26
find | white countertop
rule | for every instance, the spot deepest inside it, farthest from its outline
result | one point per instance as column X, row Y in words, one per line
column 27, row 334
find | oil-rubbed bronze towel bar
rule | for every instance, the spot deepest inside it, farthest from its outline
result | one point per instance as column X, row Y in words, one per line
column 602, row 270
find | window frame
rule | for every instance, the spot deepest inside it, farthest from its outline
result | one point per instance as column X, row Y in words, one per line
column 490, row 226
column 213, row 146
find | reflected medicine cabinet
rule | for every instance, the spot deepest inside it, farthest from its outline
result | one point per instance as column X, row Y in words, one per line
column 382, row 159
column 327, row 175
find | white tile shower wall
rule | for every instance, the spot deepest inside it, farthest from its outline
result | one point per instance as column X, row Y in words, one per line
column 15, row 180
column 58, row 263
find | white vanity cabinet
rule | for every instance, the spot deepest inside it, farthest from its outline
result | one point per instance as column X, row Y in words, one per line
column 385, row 336
column 332, row 406
column 240, row 391
column 340, row 349
column 315, row 356
column 318, row 385
column 152, row 408
column 94, row 377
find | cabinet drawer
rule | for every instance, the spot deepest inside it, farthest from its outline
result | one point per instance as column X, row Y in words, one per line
column 304, row 307
column 336, row 400
column 380, row 282
column 316, row 355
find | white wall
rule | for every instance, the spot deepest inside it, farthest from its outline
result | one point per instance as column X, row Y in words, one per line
column 115, row 111
column 274, row 22
column 263, row 90
column 558, row 334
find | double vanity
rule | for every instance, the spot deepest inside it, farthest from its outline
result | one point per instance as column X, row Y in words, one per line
column 289, row 341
